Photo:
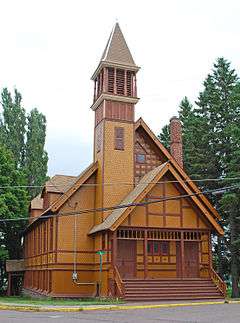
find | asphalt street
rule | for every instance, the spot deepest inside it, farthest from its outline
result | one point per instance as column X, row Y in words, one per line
column 224, row 313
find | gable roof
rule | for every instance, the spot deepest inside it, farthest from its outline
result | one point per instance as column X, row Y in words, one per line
column 134, row 196
column 140, row 123
column 59, row 183
column 81, row 179
column 36, row 203
column 139, row 192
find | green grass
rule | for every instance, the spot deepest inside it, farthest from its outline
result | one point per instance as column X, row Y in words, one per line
column 52, row 301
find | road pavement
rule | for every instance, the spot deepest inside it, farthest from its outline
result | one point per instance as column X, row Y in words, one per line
column 223, row 313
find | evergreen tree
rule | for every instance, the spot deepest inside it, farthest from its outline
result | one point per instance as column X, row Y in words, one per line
column 212, row 150
column 164, row 137
column 36, row 157
column 189, row 134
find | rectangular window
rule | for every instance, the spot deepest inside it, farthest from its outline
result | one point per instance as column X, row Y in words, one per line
column 119, row 138
column 164, row 248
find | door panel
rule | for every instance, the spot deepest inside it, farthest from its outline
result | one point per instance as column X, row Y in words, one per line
column 126, row 258
column 191, row 257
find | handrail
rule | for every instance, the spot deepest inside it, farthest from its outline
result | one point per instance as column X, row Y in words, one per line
column 221, row 285
column 119, row 282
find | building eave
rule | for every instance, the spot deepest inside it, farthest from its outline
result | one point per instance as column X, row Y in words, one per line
column 102, row 64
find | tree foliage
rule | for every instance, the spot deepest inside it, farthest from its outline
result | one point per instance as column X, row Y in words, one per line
column 23, row 163
column 211, row 141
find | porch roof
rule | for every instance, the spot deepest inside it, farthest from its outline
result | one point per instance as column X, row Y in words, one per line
column 142, row 187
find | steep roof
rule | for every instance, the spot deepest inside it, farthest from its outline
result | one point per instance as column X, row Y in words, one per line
column 116, row 53
column 59, row 183
column 68, row 191
column 117, row 50
column 132, row 197
column 81, row 179
column 139, row 192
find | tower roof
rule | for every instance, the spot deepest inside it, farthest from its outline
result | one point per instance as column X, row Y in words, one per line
column 116, row 52
column 117, row 49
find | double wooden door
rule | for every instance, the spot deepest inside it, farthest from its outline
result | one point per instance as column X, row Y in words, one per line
column 126, row 258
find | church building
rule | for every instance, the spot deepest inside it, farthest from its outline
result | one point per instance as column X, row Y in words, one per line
column 132, row 224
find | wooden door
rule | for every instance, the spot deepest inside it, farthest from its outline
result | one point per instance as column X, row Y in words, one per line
column 191, row 257
column 126, row 258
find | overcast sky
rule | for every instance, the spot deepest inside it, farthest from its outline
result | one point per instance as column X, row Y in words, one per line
column 49, row 50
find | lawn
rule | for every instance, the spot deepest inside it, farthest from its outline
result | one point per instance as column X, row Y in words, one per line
column 52, row 301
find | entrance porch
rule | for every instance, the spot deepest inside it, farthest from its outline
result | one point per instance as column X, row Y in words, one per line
column 157, row 253
column 160, row 264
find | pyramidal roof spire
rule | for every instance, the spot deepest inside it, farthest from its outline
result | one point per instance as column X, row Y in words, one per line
column 117, row 49
column 116, row 52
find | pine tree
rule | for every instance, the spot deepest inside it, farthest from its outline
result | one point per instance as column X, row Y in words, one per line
column 212, row 150
column 164, row 136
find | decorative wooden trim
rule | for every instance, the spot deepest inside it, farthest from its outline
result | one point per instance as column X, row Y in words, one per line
column 182, row 256
column 197, row 202
column 145, row 254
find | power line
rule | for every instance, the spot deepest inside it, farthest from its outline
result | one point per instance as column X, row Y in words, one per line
column 124, row 183
column 122, row 206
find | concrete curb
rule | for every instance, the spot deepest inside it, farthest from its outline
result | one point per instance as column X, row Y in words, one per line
column 232, row 301
column 37, row 308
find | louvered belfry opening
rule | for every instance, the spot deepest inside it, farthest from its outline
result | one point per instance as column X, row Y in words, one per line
column 110, row 87
column 130, row 76
column 115, row 81
column 120, row 81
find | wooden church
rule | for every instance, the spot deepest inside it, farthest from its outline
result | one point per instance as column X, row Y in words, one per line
column 131, row 225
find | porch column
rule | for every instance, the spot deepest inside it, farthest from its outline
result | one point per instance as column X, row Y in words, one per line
column 9, row 284
column 145, row 254
column 114, row 250
column 182, row 256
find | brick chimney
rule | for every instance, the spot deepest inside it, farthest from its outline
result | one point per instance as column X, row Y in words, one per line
column 176, row 140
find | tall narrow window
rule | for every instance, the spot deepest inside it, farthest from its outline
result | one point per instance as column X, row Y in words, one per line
column 120, row 82
column 119, row 138
column 110, row 79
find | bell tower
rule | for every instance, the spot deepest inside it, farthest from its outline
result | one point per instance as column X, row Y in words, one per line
column 115, row 96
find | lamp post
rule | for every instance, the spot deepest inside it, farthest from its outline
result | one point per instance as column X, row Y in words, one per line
column 100, row 253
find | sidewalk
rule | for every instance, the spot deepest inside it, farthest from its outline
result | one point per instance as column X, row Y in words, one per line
column 126, row 306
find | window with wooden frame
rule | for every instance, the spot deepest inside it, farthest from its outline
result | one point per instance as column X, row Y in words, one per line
column 158, row 248
column 164, row 248
column 140, row 158
column 119, row 138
